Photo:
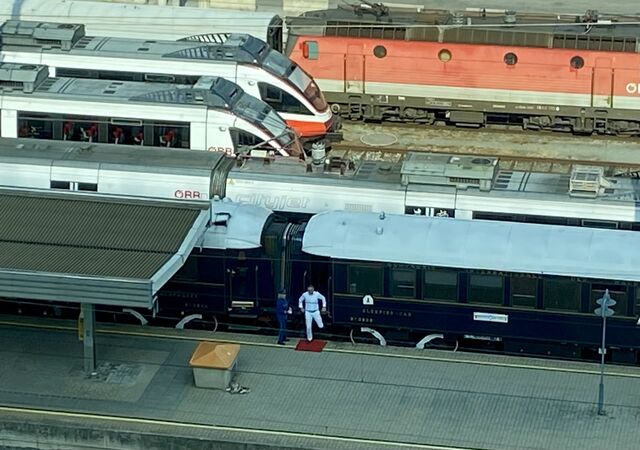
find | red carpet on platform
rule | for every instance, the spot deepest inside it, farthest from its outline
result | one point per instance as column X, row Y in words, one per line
column 314, row 346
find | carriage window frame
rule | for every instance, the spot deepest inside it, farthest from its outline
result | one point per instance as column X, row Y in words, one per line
column 618, row 292
column 399, row 288
column 530, row 292
column 552, row 285
column 429, row 275
column 375, row 275
column 478, row 298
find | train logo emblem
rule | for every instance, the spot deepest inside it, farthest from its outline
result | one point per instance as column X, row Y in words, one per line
column 367, row 300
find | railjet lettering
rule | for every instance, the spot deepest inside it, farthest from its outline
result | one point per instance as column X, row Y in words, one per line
column 488, row 317
column 186, row 193
column 276, row 202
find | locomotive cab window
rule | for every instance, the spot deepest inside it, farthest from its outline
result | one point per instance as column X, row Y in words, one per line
column 281, row 100
column 485, row 289
column 403, row 282
column 440, row 285
column 310, row 50
column 365, row 279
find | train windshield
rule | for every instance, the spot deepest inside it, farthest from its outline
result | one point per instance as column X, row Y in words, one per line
column 311, row 90
column 282, row 66
column 265, row 117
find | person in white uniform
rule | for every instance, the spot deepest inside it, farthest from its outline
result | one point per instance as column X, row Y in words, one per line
column 309, row 304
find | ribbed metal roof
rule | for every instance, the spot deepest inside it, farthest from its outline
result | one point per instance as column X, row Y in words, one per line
column 128, row 245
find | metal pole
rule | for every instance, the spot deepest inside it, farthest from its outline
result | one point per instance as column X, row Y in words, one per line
column 89, row 337
column 602, row 350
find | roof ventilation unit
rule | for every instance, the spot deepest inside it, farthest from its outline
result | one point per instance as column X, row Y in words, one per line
column 587, row 181
column 510, row 17
column 449, row 170
column 22, row 77
column 41, row 34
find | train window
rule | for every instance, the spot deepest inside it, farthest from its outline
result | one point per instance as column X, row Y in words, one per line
column 281, row 100
column 159, row 78
column 189, row 270
column 380, row 51
column 617, row 293
column 510, row 59
column 444, row 55
column 75, row 73
column 577, row 62
column 365, row 280
column 60, row 185
column 403, row 283
column 242, row 138
column 310, row 49
column 485, row 289
column 165, row 134
column 561, row 295
column 37, row 126
column 524, row 291
column 441, row 285
column 90, row 187
column 600, row 224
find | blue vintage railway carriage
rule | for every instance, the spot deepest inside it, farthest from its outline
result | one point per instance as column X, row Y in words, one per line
column 522, row 287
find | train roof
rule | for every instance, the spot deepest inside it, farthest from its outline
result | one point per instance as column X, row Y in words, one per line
column 19, row 79
column 479, row 26
column 142, row 21
column 479, row 178
column 475, row 244
column 70, row 39
column 235, row 225
column 125, row 157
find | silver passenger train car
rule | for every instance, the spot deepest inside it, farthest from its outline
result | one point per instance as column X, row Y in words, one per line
column 417, row 184
column 213, row 114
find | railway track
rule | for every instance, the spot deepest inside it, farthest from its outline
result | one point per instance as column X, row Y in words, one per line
column 542, row 152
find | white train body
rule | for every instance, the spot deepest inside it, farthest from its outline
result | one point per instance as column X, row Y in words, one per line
column 285, row 184
column 214, row 114
column 146, row 21
column 242, row 59
column 112, row 170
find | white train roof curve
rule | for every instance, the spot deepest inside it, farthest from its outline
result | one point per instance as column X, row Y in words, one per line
column 476, row 244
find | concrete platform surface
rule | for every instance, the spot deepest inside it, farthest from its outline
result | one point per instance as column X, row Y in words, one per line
column 392, row 402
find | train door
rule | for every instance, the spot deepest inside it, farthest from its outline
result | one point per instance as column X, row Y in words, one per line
column 354, row 70
column 242, row 286
column 602, row 84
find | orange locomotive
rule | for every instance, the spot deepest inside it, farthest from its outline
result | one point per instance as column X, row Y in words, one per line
column 570, row 73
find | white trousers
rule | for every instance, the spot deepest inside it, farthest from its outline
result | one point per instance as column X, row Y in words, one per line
column 308, row 319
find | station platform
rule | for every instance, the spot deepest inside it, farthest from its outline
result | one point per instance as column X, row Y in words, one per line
column 345, row 397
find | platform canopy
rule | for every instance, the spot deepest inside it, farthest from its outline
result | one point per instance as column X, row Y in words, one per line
column 84, row 248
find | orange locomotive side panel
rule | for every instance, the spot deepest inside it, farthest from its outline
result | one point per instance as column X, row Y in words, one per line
column 348, row 63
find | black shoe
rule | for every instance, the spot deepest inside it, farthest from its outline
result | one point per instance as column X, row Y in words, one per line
column 286, row 340
column 280, row 343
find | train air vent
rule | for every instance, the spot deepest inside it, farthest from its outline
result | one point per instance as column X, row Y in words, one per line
column 41, row 34
column 449, row 170
column 21, row 77
column 587, row 181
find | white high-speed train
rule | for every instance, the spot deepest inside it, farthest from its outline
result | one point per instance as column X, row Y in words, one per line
column 420, row 183
column 213, row 114
column 146, row 21
column 243, row 59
